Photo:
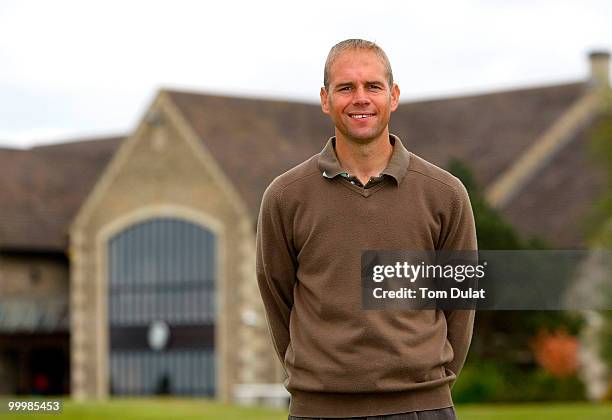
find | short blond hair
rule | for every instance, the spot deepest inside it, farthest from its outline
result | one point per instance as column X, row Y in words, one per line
column 356, row 44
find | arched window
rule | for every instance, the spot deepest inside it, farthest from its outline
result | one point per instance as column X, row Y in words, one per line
column 162, row 308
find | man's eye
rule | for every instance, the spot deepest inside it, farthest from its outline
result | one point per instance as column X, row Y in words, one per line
column 345, row 88
column 374, row 87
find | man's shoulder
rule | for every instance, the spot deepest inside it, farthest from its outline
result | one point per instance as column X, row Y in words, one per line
column 301, row 172
column 434, row 176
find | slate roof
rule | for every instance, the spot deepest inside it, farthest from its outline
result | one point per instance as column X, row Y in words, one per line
column 555, row 204
column 42, row 188
column 255, row 140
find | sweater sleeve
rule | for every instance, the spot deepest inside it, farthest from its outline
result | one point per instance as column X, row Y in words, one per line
column 460, row 237
column 276, row 268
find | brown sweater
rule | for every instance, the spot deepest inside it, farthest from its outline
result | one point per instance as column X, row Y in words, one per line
column 342, row 360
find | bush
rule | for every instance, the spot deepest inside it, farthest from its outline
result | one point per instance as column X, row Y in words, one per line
column 489, row 382
column 478, row 383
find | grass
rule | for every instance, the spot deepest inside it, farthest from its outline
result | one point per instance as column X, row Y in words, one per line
column 541, row 411
column 173, row 408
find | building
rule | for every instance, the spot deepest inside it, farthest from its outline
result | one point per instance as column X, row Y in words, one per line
column 127, row 264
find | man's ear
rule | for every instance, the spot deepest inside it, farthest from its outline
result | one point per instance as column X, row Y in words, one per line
column 323, row 95
column 395, row 94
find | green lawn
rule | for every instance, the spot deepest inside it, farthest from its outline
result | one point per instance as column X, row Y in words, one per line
column 132, row 409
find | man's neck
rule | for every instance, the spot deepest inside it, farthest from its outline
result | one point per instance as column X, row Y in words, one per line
column 364, row 160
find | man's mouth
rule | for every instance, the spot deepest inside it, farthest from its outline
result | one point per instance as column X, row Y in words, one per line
column 361, row 116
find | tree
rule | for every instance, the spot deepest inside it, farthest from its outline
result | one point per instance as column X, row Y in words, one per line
column 599, row 323
column 504, row 338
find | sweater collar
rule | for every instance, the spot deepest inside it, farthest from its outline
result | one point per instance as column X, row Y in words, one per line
column 396, row 168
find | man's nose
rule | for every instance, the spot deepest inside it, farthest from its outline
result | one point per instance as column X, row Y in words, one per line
column 361, row 96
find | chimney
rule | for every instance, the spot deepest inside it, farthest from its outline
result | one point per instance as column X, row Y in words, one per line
column 600, row 69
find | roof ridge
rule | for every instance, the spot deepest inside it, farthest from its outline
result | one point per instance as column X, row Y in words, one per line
column 488, row 93
column 77, row 141
column 283, row 100
column 250, row 97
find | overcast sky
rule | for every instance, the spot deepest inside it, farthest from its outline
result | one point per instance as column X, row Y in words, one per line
column 74, row 69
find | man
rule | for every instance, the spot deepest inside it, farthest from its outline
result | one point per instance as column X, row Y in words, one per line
column 364, row 191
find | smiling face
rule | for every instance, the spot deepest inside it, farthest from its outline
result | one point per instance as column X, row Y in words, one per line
column 359, row 99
